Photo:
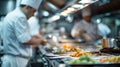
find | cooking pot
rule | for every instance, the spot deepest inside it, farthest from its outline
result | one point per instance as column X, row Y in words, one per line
column 109, row 43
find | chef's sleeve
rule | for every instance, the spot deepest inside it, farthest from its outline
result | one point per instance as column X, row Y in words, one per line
column 75, row 32
column 22, row 30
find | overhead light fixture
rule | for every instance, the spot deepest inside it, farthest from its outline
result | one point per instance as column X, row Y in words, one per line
column 75, row 7
column 45, row 13
column 66, row 12
column 87, row 1
column 78, row 6
column 71, row 9
column 54, row 18
column 63, row 13
column 98, row 20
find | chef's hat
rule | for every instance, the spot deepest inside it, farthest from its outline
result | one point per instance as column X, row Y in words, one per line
column 32, row 3
column 86, row 12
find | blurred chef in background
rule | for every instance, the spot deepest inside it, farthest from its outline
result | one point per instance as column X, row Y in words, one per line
column 17, row 39
column 86, row 29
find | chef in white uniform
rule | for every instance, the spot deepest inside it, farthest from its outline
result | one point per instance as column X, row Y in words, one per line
column 34, row 25
column 17, row 40
column 86, row 29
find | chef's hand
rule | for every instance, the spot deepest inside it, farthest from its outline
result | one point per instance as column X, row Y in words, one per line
column 77, row 33
column 87, row 37
column 35, row 46
column 43, row 41
column 39, row 38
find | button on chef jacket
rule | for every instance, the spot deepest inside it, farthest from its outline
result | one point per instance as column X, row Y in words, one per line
column 15, row 33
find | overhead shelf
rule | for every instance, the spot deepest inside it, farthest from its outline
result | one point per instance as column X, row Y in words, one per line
column 76, row 6
column 102, row 7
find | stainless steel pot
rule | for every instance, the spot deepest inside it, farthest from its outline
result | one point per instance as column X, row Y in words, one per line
column 109, row 43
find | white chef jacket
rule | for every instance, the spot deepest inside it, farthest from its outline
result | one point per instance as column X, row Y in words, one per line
column 90, row 28
column 34, row 25
column 15, row 33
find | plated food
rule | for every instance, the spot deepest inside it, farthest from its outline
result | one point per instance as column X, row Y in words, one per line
column 113, row 59
column 86, row 59
column 81, row 56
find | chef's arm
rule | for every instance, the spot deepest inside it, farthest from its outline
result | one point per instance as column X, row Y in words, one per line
column 77, row 32
column 74, row 33
column 34, row 40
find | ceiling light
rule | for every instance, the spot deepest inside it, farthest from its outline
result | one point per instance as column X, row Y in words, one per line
column 45, row 13
column 63, row 14
column 54, row 18
column 71, row 9
column 87, row 1
column 78, row 6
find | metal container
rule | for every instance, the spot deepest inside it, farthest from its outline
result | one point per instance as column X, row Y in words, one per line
column 108, row 43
